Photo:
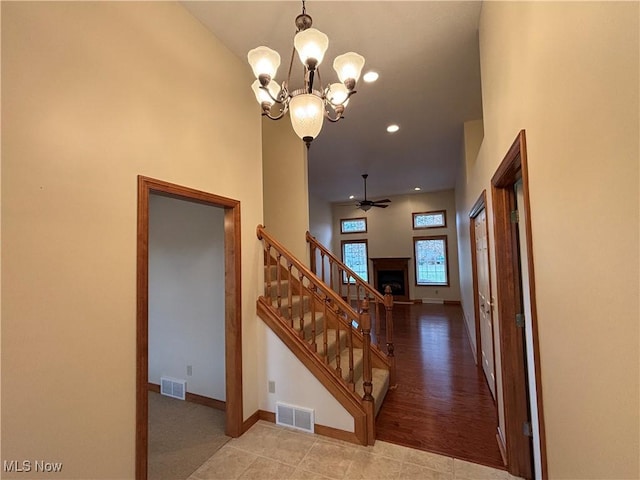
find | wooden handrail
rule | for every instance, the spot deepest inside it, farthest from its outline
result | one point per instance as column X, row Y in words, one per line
column 385, row 302
column 315, row 288
column 359, row 281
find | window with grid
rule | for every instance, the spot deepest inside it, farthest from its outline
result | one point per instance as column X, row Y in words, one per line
column 430, row 256
column 353, row 225
column 354, row 256
column 434, row 219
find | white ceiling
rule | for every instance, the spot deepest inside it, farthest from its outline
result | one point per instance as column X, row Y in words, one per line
column 426, row 53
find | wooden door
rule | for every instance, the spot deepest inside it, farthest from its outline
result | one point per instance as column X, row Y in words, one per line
column 484, row 300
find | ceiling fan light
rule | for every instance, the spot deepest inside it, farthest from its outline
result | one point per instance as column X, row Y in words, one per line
column 264, row 62
column 311, row 45
column 348, row 66
column 307, row 114
column 263, row 97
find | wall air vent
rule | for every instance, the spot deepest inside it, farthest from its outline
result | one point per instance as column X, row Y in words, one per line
column 172, row 387
column 294, row 417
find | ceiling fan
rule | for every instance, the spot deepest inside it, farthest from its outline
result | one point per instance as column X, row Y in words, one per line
column 365, row 204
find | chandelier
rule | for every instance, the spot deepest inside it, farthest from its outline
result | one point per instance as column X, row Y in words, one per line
column 307, row 106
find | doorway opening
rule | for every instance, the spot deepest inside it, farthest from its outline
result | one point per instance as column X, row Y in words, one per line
column 232, row 308
column 520, row 366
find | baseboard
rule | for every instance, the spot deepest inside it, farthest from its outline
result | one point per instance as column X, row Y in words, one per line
column 267, row 416
column 470, row 338
column 336, row 433
column 323, row 430
column 502, row 447
column 250, row 422
column 194, row 398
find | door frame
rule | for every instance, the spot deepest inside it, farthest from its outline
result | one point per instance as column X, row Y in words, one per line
column 481, row 204
column 512, row 348
column 233, row 308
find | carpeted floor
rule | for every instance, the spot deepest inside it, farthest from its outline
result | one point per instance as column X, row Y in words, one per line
column 182, row 436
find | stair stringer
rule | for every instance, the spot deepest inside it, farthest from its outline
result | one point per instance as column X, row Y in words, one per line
column 348, row 399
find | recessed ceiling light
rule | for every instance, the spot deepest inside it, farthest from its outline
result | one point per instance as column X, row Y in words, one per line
column 351, row 197
column 393, row 128
column 417, row 189
column 370, row 76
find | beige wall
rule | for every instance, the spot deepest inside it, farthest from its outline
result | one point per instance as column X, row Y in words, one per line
column 568, row 74
column 390, row 234
column 473, row 135
column 94, row 94
column 286, row 197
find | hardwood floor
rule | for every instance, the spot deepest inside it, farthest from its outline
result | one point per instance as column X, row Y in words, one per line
column 442, row 403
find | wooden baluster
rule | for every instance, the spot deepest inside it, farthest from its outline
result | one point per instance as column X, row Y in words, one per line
column 378, row 318
column 378, row 323
column 278, row 281
column 290, row 296
column 312, row 294
column 312, row 257
column 302, row 289
column 324, row 332
column 268, row 284
column 338, row 346
column 349, row 277
column 367, row 399
column 388, row 306
column 322, row 265
column 331, row 263
column 352, row 384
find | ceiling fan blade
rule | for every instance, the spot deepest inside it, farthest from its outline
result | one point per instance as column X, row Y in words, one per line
column 386, row 200
column 375, row 204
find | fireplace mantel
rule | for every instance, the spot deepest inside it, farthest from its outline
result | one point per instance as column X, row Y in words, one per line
column 392, row 271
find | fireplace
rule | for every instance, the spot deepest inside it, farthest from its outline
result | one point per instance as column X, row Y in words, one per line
column 393, row 272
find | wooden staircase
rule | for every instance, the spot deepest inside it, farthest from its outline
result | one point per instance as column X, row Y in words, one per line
column 329, row 336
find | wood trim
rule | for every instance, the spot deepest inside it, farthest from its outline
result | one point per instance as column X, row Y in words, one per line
column 336, row 433
column 268, row 416
column 466, row 329
column 233, row 308
column 413, row 219
column 532, row 297
column 323, row 430
column 446, row 252
column 349, row 400
column 194, row 398
column 515, row 390
column 355, row 218
column 501, row 447
column 342, row 244
column 481, row 203
column 142, row 331
column 251, row 421
column 367, row 286
column 393, row 263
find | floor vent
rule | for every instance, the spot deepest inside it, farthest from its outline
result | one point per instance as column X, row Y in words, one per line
column 295, row 417
column 172, row 387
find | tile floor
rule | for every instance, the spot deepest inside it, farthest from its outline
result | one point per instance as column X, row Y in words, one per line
column 271, row 452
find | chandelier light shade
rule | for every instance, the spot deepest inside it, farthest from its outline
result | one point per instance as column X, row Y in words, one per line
column 307, row 106
column 307, row 114
column 264, row 61
column 348, row 66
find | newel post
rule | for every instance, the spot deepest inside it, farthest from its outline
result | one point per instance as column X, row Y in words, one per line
column 367, row 398
column 388, row 306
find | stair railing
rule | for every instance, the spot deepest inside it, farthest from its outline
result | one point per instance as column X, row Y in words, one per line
column 345, row 282
column 312, row 290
